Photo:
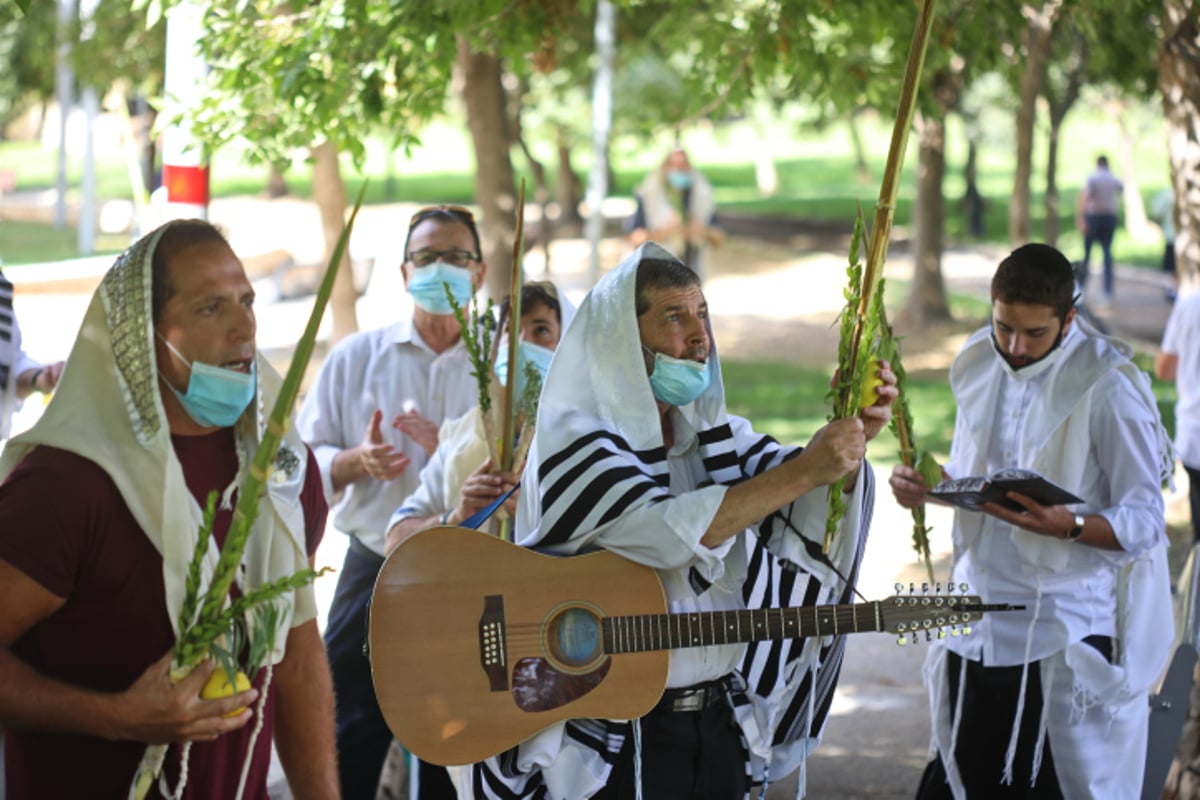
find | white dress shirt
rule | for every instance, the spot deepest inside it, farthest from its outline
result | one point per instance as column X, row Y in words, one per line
column 391, row 369
column 1182, row 339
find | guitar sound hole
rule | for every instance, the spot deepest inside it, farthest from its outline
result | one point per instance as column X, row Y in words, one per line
column 574, row 637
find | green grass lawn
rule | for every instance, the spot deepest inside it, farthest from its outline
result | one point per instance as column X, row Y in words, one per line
column 817, row 177
column 790, row 402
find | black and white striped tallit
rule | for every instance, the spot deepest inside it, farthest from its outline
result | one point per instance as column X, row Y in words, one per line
column 598, row 475
column 13, row 360
column 7, row 352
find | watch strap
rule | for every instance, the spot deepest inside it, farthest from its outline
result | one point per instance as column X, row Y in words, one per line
column 1076, row 529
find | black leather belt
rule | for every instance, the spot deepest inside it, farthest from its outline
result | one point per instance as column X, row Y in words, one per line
column 692, row 698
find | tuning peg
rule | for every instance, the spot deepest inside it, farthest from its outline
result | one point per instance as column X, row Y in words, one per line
column 924, row 587
column 899, row 587
column 966, row 630
column 954, row 631
column 902, row 640
column 928, row 636
column 962, row 588
column 942, row 634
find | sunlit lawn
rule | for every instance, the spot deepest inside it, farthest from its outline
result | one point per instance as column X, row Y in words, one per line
column 789, row 403
column 817, row 176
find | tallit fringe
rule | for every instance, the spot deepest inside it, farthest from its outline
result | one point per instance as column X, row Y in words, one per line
column 637, row 758
column 1011, row 755
column 802, row 776
column 1043, row 723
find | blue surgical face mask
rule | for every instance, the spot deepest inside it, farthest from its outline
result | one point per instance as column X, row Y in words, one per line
column 527, row 352
column 678, row 381
column 679, row 179
column 429, row 293
column 215, row 396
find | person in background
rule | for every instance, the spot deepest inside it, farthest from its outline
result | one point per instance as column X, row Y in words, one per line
column 20, row 375
column 459, row 479
column 676, row 208
column 163, row 402
column 1050, row 701
column 1096, row 218
column 1179, row 361
column 372, row 419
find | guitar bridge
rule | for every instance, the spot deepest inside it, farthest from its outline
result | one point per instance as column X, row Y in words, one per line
column 492, row 650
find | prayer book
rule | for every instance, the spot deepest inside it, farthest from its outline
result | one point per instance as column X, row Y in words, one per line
column 971, row 493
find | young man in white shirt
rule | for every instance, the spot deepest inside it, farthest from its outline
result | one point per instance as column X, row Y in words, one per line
column 1038, row 389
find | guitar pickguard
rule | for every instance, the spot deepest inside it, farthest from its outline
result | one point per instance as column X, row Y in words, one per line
column 538, row 686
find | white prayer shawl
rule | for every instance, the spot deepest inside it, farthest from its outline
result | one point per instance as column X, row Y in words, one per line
column 107, row 409
column 660, row 205
column 598, row 471
column 1095, row 712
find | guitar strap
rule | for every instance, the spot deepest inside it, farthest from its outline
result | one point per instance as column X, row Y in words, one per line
column 482, row 515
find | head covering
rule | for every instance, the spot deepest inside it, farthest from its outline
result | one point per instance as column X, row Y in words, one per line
column 107, row 409
column 598, row 382
column 598, row 372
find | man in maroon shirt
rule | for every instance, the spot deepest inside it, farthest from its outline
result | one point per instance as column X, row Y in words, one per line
column 162, row 402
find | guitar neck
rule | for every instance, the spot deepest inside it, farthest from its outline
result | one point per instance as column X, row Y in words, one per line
column 635, row 634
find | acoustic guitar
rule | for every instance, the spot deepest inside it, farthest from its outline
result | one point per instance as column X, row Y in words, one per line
column 476, row 644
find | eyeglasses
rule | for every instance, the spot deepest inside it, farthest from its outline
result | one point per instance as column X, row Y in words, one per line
column 446, row 213
column 454, row 257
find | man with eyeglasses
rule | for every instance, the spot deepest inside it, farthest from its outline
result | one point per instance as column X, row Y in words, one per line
column 372, row 420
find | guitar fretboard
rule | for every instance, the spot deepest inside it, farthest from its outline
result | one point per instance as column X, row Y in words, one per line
column 635, row 634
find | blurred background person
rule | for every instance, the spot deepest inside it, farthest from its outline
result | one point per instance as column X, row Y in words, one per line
column 20, row 375
column 676, row 209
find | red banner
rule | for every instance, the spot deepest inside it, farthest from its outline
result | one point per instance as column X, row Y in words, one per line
column 186, row 184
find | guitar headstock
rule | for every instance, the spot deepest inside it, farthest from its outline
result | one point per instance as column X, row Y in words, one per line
column 909, row 615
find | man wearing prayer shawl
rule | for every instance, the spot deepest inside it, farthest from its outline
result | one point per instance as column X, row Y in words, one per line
column 164, row 399
column 1051, row 702
column 635, row 453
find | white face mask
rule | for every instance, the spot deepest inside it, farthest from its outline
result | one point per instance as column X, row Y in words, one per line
column 1034, row 368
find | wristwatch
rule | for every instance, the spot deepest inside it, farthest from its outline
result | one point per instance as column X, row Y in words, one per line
column 1076, row 529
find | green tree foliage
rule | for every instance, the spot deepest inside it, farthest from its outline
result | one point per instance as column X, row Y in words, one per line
column 27, row 51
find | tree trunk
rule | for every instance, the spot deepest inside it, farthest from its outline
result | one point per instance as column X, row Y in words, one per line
column 861, row 170
column 329, row 193
column 1051, row 226
column 1037, row 55
column 544, row 230
column 927, row 299
column 1059, row 105
column 277, row 184
column 1137, row 225
column 569, row 191
column 973, row 202
column 495, row 185
column 1179, row 83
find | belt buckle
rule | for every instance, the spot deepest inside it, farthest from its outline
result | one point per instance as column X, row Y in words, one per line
column 695, row 700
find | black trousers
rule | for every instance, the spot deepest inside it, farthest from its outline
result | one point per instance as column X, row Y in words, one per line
column 1193, row 474
column 989, row 707
column 686, row 755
